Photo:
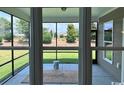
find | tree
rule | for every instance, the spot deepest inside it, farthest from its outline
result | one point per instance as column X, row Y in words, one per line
column 22, row 27
column 8, row 36
column 71, row 34
column 47, row 38
column 55, row 35
column 51, row 32
column 5, row 27
column 5, row 24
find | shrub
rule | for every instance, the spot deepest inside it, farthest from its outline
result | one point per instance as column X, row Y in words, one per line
column 71, row 34
column 61, row 36
column 55, row 35
column 8, row 36
column 47, row 38
column 0, row 39
column 70, row 39
column 20, row 40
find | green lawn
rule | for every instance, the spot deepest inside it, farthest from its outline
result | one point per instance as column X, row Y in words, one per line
column 108, row 55
column 63, row 57
column 5, row 55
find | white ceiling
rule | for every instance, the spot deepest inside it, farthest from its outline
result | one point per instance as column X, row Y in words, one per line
column 70, row 12
column 57, row 12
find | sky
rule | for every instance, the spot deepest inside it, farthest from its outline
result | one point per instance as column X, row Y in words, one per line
column 5, row 15
column 61, row 27
column 108, row 25
column 8, row 17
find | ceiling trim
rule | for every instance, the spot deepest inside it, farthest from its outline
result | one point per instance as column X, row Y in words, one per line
column 107, row 12
column 61, row 19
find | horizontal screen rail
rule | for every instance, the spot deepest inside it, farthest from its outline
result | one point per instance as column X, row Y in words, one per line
column 28, row 53
column 14, row 48
column 107, row 48
column 60, row 48
column 44, row 48
column 6, row 63
column 60, row 52
column 13, row 59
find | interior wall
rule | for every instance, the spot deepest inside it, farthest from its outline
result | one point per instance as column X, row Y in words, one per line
column 117, row 17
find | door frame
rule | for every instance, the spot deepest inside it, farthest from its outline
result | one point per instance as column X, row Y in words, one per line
column 36, row 61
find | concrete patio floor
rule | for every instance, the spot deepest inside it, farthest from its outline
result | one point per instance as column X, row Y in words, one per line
column 100, row 76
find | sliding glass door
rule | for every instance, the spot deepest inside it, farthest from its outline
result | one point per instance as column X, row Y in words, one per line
column 60, row 55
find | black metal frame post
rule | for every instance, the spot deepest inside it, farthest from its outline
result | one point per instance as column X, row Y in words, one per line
column 94, row 61
column 56, row 42
column 12, row 45
column 97, row 41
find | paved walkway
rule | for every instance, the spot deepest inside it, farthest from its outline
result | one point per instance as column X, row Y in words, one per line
column 100, row 76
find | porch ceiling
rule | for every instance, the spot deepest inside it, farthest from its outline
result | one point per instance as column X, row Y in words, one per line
column 69, row 13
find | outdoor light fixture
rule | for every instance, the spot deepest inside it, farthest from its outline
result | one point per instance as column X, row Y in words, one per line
column 63, row 8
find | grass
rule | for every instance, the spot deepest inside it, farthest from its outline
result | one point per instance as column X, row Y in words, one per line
column 5, row 70
column 108, row 55
column 5, row 55
column 93, row 54
column 63, row 57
